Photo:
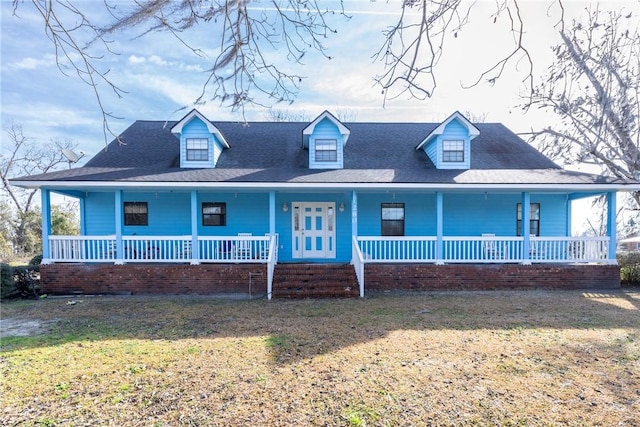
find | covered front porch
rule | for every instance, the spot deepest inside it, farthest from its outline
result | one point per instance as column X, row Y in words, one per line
column 348, row 222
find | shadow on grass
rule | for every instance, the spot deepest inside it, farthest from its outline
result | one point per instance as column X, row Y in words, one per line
column 302, row 329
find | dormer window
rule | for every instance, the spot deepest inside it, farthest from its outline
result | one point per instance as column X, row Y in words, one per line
column 453, row 151
column 325, row 138
column 201, row 143
column 326, row 150
column 448, row 145
column 197, row 149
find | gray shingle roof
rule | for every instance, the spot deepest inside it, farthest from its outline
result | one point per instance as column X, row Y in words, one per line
column 272, row 152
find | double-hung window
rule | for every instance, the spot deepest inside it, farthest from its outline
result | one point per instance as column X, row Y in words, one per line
column 136, row 213
column 534, row 220
column 453, row 151
column 326, row 150
column 392, row 219
column 214, row 214
column 197, row 149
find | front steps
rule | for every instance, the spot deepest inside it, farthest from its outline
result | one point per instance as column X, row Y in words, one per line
column 314, row 281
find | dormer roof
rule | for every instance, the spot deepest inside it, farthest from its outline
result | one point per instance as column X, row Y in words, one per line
column 177, row 128
column 439, row 130
column 307, row 131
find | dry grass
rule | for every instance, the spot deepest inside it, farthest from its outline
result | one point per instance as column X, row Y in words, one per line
column 460, row 358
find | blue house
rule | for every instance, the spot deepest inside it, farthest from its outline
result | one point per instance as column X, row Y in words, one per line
column 205, row 206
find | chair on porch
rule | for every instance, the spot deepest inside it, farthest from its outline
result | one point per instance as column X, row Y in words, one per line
column 225, row 249
column 490, row 249
column 243, row 248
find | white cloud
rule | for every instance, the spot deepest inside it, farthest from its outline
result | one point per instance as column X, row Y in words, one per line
column 134, row 59
column 30, row 63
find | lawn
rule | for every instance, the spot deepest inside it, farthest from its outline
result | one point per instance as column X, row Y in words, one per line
column 435, row 358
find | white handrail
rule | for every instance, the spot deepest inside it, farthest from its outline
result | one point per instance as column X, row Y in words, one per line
column 272, row 260
column 357, row 260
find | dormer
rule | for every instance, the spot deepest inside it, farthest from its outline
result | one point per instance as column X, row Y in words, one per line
column 449, row 145
column 201, row 143
column 325, row 138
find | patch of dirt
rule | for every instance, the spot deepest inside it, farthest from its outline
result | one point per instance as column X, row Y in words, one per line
column 14, row 327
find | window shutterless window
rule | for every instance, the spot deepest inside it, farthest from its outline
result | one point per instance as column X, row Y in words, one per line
column 197, row 149
column 326, row 150
column 136, row 213
column 392, row 219
column 534, row 220
column 452, row 151
column 214, row 214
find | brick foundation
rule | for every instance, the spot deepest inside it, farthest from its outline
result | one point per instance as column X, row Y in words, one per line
column 490, row 276
column 235, row 278
column 154, row 278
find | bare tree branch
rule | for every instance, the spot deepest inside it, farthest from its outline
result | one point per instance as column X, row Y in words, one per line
column 593, row 87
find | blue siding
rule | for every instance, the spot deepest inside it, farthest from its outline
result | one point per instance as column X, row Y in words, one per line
column 196, row 128
column 326, row 129
column 246, row 213
column 100, row 214
column 465, row 214
column 419, row 211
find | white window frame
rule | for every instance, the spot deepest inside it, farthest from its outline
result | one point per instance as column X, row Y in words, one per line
column 326, row 150
column 453, row 151
column 195, row 148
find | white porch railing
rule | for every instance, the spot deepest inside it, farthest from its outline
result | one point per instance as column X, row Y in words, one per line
column 160, row 249
column 483, row 249
column 82, row 248
column 397, row 248
column 358, row 264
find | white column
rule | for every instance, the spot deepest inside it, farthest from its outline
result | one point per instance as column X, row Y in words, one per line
column 439, row 228
column 119, row 217
column 526, row 227
column 46, row 224
column 354, row 214
column 272, row 213
column 611, row 226
column 195, row 247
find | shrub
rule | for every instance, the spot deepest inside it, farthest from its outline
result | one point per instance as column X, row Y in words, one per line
column 7, row 281
column 27, row 280
column 21, row 280
column 36, row 260
column 629, row 263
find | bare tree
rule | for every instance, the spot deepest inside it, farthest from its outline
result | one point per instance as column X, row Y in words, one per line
column 279, row 115
column 251, row 38
column 593, row 88
column 24, row 156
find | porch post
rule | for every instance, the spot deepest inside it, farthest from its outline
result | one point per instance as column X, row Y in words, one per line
column 354, row 214
column 83, row 219
column 195, row 248
column 526, row 227
column 439, row 228
column 119, row 248
column 611, row 226
column 569, row 208
column 272, row 213
column 45, row 197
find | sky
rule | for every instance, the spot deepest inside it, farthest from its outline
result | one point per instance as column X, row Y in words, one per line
column 162, row 78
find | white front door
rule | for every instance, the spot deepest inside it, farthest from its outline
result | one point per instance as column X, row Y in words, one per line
column 314, row 234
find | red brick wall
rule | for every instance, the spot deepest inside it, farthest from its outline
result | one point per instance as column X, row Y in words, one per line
column 235, row 278
column 153, row 278
column 490, row 276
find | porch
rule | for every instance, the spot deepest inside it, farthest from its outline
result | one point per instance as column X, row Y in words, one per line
column 371, row 249
column 366, row 250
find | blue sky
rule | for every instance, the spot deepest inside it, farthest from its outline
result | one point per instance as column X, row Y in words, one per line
column 161, row 76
